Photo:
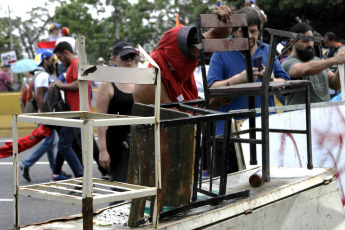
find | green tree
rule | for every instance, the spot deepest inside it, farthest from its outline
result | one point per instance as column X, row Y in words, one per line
column 322, row 15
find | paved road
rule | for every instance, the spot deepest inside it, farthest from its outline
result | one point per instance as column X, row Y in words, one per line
column 32, row 210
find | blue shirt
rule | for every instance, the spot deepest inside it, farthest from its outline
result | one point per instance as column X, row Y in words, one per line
column 225, row 65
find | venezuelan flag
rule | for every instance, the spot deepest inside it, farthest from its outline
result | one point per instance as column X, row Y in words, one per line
column 44, row 46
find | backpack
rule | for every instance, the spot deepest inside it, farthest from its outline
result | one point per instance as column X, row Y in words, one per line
column 54, row 102
column 29, row 101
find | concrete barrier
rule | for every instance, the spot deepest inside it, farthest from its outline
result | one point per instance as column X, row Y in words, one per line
column 9, row 105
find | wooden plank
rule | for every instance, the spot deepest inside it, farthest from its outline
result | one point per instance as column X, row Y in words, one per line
column 256, row 86
column 212, row 20
column 224, row 45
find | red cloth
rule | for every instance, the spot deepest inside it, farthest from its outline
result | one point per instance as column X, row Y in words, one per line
column 27, row 93
column 177, row 70
column 46, row 45
column 72, row 96
column 26, row 142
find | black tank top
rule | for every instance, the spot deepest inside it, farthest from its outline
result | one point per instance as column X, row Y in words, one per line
column 121, row 104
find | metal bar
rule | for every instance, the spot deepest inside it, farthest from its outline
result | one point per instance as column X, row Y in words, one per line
column 184, row 208
column 203, row 151
column 288, row 34
column 199, row 102
column 251, row 99
column 118, row 74
column 83, row 85
column 66, row 114
column 15, row 171
column 202, row 63
column 127, row 195
column 212, row 154
column 198, row 167
column 264, row 111
column 67, row 199
column 51, row 121
column 245, row 131
column 125, row 121
column 295, row 107
column 197, row 109
column 225, row 157
column 204, row 118
column 308, row 127
column 288, row 131
column 286, row 49
column 87, row 186
column 243, row 140
column 158, row 173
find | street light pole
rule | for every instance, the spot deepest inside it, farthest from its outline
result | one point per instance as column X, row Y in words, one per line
column 10, row 27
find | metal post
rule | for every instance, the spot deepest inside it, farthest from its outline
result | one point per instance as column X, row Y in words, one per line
column 225, row 157
column 308, row 127
column 251, row 100
column 15, row 172
column 264, row 111
column 197, row 163
column 158, row 177
column 87, row 153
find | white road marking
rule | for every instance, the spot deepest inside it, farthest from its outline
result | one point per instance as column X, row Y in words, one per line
column 6, row 200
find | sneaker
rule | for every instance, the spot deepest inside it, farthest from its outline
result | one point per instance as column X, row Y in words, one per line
column 65, row 174
column 25, row 172
column 61, row 176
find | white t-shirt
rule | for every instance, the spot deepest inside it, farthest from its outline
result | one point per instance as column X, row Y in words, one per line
column 70, row 40
column 43, row 79
column 51, row 38
column 199, row 81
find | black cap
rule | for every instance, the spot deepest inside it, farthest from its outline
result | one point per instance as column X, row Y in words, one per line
column 122, row 49
column 186, row 37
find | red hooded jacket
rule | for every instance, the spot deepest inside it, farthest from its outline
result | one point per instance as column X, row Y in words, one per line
column 177, row 70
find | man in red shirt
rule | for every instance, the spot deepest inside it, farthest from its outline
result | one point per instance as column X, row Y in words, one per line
column 64, row 52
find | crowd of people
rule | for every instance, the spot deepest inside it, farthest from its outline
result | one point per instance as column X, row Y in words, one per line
column 177, row 57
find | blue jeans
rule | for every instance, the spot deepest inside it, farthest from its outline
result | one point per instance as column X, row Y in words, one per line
column 66, row 137
column 48, row 146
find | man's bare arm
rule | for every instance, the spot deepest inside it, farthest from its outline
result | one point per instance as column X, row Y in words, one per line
column 334, row 80
column 39, row 96
column 103, row 98
column 314, row 67
column 67, row 86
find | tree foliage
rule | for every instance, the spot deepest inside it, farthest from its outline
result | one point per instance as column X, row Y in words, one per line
column 145, row 21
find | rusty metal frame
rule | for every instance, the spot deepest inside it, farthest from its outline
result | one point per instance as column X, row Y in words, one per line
column 207, row 116
column 264, row 89
column 87, row 121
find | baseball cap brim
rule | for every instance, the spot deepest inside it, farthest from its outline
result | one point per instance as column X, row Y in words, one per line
column 126, row 51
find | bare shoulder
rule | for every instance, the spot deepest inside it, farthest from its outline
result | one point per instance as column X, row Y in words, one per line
column 144, row 94
column 105, row 88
